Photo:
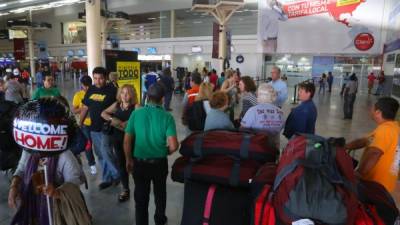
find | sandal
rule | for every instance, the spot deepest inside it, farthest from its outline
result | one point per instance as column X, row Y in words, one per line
column 124, row 196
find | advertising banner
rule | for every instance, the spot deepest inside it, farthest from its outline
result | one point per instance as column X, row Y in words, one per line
column 392, row 41
column 129, row 73
column 113, row 56
column 19, row 49
column 320, row 26
column 215, row 48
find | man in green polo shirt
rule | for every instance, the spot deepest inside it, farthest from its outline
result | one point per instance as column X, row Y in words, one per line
column 154, row 133
column 48, row 90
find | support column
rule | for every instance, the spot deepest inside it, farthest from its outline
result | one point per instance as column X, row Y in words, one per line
column 31, row 53
column 222, row 47
column 93, row 34
column 173, row 21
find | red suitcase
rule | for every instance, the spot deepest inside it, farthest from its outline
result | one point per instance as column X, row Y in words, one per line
column 222, row 170
column 244, row 145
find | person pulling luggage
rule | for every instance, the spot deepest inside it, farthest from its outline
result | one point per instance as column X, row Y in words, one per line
column 380, row 160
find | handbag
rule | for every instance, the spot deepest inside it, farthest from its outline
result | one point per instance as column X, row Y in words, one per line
column 107, row 129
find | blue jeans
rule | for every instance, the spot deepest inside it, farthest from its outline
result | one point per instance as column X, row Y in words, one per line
column 167, row 100
column 379, row 90
column 88, row 152
column 102, row 144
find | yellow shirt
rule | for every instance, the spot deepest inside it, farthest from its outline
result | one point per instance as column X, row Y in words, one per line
column 77, row 102
column 386, row 138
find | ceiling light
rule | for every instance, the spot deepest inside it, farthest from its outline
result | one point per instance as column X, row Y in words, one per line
column 197, row 22
column 3, row 5
column 24, row 1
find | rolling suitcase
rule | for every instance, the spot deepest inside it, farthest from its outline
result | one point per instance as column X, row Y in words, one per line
column 223, row 170
column 210, row 204
column 239, row 144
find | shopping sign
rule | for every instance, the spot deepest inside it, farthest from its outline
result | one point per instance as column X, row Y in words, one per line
column 364, row 41
column 40, row 136
column 129, row 73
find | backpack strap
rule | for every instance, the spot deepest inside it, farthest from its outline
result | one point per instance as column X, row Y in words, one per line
column 187, row 171
column 208, row 205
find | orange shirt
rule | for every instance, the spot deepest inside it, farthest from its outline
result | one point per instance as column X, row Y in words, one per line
column 386, row 138
column 192, row 93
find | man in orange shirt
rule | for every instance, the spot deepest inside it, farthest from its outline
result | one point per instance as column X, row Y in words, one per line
column 380, row 160
column 190, row 95
column 195, row 81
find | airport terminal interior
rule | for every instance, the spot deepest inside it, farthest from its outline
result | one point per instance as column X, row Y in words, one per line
column 273, row 72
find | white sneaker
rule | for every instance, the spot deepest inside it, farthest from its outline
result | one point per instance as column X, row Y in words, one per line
column 93, row 170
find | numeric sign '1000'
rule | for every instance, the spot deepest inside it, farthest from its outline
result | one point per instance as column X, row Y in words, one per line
column 128, row 73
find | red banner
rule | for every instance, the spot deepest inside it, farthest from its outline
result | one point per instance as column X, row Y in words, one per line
column 215, row 49
column 19, row 49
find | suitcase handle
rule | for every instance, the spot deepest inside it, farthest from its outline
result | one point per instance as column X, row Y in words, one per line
column 208, row 205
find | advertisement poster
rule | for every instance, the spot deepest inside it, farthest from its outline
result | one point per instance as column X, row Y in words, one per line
column 320, row 26
column 129, row 73
column 393, row 23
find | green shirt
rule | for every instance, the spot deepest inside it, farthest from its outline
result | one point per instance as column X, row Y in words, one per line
column 45, row 92
column 151, row 126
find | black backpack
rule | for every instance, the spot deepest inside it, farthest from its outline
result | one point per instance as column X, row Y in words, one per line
column 9, row 150
column 196, row 116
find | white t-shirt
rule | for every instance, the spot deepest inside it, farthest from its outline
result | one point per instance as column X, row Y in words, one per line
column 264, row 117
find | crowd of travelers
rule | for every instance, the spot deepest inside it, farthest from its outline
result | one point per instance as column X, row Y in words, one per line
column 134, row 134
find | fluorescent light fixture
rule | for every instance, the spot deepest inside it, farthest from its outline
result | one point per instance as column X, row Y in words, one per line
column 3, row 5
column 197, row 22
column 25, row 1
column 154, row 57
column 197, row 49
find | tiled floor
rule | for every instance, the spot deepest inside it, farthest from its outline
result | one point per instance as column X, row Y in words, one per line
column 105, row 208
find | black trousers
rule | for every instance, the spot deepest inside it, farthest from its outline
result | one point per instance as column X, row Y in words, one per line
column 119, row 153
column 348, row 106
column 145, row 173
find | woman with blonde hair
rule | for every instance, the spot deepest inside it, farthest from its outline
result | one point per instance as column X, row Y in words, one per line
column 118, row 115
column 205, row 93
column 265, row 116
column 230, row 86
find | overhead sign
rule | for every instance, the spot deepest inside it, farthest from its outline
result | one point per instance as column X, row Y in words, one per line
column 129, row 73
column 320, row 26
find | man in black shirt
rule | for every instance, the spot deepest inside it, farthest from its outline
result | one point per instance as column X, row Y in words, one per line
column 97, row 98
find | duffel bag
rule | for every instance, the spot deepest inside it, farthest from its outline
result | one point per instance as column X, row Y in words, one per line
column 210, row 204
column 315, row 180
column 374, row 194
column 222, row 170
column 245, row 145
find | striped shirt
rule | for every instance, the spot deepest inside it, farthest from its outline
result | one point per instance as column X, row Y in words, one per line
column 249, row 100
